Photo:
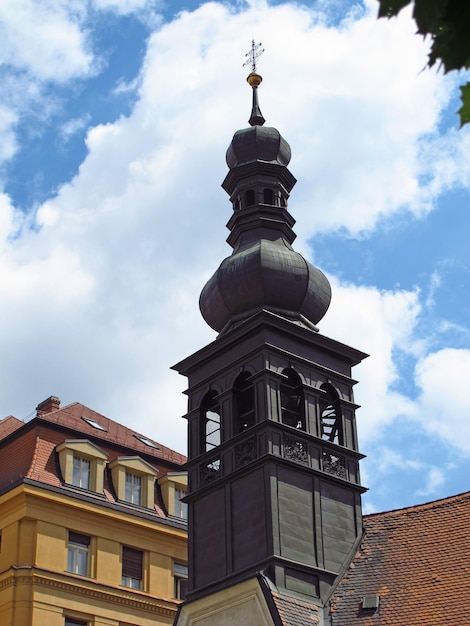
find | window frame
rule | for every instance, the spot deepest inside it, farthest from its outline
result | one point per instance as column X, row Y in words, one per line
column 72, row 449
column 180, row 580
column 77, row 546
column 121, row 466
column 169, row 484
column 133, row 488
column 132, row 568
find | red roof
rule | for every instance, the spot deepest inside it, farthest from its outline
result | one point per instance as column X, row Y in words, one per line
column 71, row 416
column 417, row 560
column 27, row 450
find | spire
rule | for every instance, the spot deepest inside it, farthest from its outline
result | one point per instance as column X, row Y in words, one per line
column 254, row 80
column 263, row 271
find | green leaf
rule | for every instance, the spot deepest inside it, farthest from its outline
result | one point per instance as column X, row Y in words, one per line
column 390, row 8
column 464, row 110
column 429, row 15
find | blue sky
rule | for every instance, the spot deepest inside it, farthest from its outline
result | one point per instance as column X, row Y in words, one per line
column 114, row 120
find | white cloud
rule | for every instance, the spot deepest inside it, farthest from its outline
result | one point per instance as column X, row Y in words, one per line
column 44, row 38
column 103, row 294
column 442, row 407
column 378, row 323
column 124, row 7
column 73, row 126
column 435, row 479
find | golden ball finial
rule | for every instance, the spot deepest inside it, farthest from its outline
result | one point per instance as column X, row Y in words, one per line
column 254, row 79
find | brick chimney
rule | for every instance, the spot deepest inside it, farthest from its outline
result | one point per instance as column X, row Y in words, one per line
column 47, row 406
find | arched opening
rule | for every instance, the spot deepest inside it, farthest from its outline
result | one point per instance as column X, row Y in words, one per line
column 268, row 196
column 249, row 197
column 331, row 423
column 237, row 205
column 244, row 403
column 210, row 422
column 292, row 396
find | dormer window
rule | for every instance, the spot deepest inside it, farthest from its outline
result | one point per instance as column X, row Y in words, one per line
column 82, row 464
column 181, row 507
column 134, row 481
column 174, row 487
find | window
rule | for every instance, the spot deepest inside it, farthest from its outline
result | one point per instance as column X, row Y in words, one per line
column 146, row 441
column 268, row 196
column 94, row 424
column 133, row 480
column 331, row 423
column 244, row 403
column 173, row 488
column 210, row 422
column 132, row 561
column 249, row 197
column 292, row 412
column 133, row 492
column 181, row 508
column 180, row 573
column 78, row 555
column 70, row 621
column 82, row 464
column 81, row 472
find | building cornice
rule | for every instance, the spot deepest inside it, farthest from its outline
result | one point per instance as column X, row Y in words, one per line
column 36, row 577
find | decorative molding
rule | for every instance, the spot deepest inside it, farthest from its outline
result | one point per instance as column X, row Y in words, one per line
column 334, row 464
column 245, row 452
column 209, row 471
column 295, row 450
column 98, row 592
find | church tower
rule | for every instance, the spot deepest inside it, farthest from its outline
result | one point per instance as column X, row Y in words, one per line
column 273, row 462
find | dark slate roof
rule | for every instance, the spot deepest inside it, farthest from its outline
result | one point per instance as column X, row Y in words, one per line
column 417, row 560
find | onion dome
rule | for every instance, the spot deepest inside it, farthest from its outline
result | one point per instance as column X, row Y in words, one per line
column 263, row 272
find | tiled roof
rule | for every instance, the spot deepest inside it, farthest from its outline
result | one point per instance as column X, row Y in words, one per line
column 9, row 425
column 71, row 417
column 293, row 612
column 417, row 560
column 28, row 450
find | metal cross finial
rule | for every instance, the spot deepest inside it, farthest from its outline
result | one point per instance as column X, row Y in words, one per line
column 253, row 55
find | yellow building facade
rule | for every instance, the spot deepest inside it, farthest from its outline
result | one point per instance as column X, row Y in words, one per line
column 95, row 539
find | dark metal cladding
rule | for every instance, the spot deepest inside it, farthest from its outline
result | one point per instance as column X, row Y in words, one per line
column 263, row 272
column 258, row 143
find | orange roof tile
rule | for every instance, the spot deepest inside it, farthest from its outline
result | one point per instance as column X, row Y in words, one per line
column 8, row 425
column 417, row 560
column 28, row 450
column 71, row 416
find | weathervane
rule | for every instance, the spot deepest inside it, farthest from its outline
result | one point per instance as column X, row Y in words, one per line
column 253, row 55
